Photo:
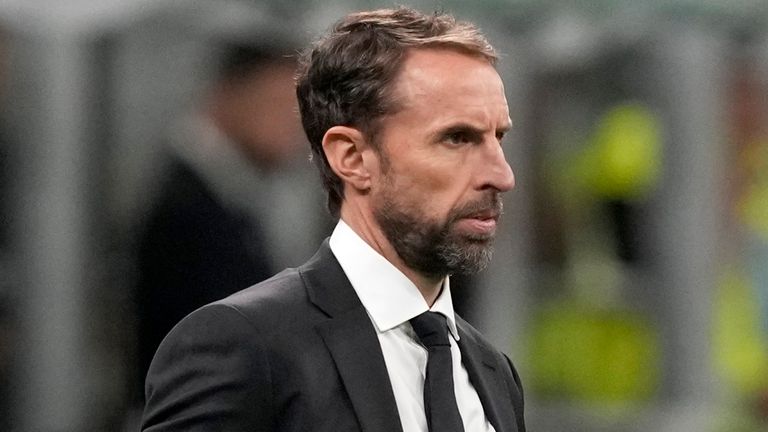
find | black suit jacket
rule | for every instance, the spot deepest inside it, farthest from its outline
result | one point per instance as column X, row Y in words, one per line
column 298, row 352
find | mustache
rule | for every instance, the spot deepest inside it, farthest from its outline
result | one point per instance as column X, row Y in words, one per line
column 489, row 204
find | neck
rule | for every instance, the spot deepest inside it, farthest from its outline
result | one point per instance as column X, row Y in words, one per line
column 369, row 231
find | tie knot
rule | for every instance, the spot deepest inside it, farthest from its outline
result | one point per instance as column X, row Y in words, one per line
column 431, row 328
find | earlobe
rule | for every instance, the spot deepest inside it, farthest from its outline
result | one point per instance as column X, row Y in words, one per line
column 344, row 148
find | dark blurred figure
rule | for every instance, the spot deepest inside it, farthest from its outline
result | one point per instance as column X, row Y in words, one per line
column 205, row 236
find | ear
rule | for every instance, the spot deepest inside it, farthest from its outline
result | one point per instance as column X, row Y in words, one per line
column 349, row 156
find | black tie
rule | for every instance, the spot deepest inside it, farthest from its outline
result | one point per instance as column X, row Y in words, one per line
column 439, row 399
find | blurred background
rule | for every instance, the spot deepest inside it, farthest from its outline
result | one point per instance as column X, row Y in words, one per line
column 151, row 158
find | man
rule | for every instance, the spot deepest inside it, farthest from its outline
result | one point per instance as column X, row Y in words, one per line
column 405, row 113
column 211, row 230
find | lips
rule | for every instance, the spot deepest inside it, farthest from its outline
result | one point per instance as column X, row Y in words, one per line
column 490, row 214
column 480, row 223
column 480, row 216
column 489, row 211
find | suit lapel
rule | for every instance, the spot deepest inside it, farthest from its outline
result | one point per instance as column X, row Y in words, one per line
column 487, row 380
column 361, row 365
column 352, row 342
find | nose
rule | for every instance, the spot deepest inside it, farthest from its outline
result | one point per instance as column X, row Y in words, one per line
column 495, row 172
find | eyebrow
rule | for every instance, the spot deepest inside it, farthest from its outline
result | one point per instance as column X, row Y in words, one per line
column 470, row 128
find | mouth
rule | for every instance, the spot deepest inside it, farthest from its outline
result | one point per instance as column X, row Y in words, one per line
column 479, row 218
column 485, row 215
column 481, row 223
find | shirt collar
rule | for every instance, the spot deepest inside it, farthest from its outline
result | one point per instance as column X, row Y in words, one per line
column 389, row 297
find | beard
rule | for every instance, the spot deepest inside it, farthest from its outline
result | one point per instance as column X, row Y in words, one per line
column 437, row 248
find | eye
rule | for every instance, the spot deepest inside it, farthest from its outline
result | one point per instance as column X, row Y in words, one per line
column 500, row 136
column 462, row 135
column 458, row 138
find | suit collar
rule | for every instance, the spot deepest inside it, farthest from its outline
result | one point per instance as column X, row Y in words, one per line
column 484, row 375
column 327, row 286
column 352, row 342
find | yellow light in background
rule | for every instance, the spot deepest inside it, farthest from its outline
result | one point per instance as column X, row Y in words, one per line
column 623, row 159
column 596, row 355
column 741, row 351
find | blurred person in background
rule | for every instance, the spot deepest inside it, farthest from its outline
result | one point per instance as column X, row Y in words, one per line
column 212, row 228
column 405, row 114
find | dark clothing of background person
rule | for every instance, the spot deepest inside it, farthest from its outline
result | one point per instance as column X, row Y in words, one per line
column 194, row 250
column 212, row 229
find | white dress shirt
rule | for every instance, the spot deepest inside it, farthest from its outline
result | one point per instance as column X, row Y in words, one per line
column 391, row 300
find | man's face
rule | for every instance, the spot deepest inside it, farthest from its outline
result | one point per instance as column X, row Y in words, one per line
column 437, row 198
column 263, row 109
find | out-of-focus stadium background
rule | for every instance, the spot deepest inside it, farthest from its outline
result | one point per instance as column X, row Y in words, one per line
column 630, row 283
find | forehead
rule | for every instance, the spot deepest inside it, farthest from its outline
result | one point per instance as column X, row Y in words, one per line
column 440, row 81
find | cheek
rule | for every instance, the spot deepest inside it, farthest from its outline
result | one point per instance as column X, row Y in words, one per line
column 434, row 197
column 428, row 172
column 427, row 179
